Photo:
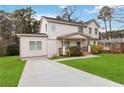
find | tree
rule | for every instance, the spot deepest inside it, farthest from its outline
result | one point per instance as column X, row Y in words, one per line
column 102, row 16
column 5, row 25
column 35, row 26
column 105, row 14
column 24, row 20
column 69, row 14
column 110, row 15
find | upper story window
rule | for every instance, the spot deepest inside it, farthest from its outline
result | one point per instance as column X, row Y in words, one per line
column 96, row 30
column 80, row 29
column 90, row 30
column 46, row 27
column 53, row 27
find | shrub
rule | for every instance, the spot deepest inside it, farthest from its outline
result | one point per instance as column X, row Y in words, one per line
column 68, row 53
column 13, row 49
column 55, row 56
column 99, row 48
column 95, row 49
column 75, row 51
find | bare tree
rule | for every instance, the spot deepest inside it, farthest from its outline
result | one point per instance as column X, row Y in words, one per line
column 69, row 14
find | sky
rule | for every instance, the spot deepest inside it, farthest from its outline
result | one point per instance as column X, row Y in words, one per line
column 86, row 12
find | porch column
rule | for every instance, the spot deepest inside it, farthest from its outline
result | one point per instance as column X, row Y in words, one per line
column 81, row 44
column 88, row 46
column 63, row 47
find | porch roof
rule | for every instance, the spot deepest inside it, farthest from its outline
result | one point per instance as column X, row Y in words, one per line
column 76, row 35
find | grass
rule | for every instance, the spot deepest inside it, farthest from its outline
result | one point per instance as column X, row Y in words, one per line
column 10, row 71
column 109, row 66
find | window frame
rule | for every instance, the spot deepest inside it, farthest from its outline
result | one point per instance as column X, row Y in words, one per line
column 35, row 45
column 67, row 44
column 53, row 27
column 46, row 27
column 39, row 46
column 96, row 31
column 90, row 30
column 80, row 29
column 31, row 46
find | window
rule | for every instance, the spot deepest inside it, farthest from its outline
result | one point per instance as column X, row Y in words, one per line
column 32, row 45
column 38, row 45
column 53, row 28
column 35, row 45
column 78, row 43
column 46, row 27
column 67, row 45
column 96, row 30
column 90, row 29
column 80, row 29
column 94, row 43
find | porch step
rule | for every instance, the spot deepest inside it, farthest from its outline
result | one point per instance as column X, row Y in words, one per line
column 86, row 53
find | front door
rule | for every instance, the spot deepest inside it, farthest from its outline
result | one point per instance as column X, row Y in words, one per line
column 78, row 43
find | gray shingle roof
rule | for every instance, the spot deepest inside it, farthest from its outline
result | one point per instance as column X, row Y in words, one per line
column 70, row 23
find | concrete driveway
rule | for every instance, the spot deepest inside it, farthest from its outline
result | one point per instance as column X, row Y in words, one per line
column 46, row 73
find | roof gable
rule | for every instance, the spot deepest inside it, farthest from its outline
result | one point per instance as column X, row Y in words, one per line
column 94, row 21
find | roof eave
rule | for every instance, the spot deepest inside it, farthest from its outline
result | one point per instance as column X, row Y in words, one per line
column 32, row 35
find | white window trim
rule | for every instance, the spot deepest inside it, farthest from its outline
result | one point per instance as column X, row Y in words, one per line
column 90, row 30
column 96, row 31
column 35, row 46
column 53, row 27
column 46, row 27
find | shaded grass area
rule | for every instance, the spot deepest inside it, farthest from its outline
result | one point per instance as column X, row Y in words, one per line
column 10, row 71
column 109, row 66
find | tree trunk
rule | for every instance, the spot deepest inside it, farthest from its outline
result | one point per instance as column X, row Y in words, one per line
column 110, row 28
column 106, row 30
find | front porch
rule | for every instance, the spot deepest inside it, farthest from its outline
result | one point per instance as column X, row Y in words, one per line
column 74, row 39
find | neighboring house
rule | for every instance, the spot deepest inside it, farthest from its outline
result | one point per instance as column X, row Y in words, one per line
column 57, row 35
column 115, row 43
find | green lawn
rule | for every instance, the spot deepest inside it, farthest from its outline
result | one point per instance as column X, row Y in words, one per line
column 110, row 66
column 10, row 71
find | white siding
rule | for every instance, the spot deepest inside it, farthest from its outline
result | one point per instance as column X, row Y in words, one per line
column 24, row 47
column 92, row 25
column 43, row 26
column 92, row 42
column 52, row 47
column 61, row 29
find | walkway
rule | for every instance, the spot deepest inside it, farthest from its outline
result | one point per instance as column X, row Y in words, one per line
column 46, row 73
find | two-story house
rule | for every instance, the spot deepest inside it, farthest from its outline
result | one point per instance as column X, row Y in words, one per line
column 57, row 35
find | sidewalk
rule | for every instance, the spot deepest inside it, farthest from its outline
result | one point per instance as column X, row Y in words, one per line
column 88, row 56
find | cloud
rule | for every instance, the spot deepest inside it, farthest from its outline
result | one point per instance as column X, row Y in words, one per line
column 90, row 11
column 63, row 6
column 121, row 6
column 94, row 10
column 98, row 7
column 38, row 15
